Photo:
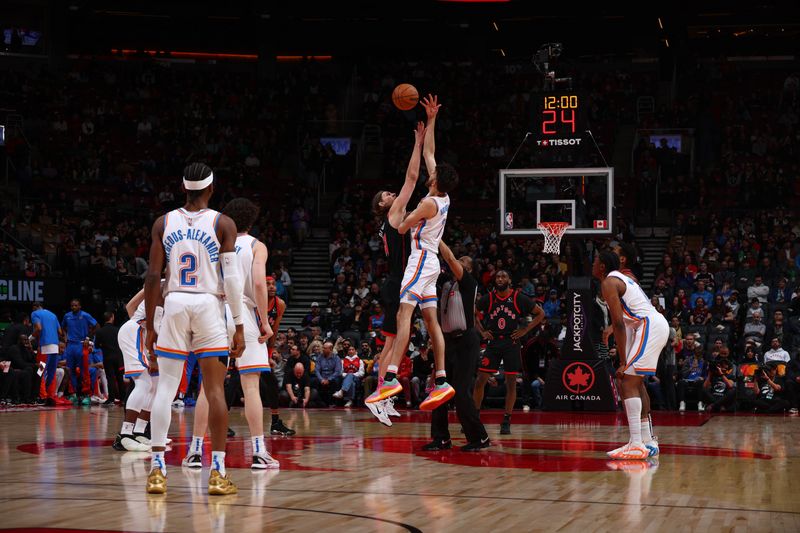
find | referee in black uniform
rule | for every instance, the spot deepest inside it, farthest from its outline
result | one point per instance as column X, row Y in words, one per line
column 462, row 349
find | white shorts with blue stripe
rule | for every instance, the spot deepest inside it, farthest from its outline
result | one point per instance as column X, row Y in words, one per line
column 419, row 280
column 645, row 344
column 131, row 344
column 255, row 357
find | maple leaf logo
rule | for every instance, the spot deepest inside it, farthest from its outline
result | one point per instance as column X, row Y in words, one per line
column 580, row 379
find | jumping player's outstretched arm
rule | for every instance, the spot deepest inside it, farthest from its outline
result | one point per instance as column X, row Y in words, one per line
column 425, row 209
column 398, row 209
column 233, row 283
column 450, row 259
column 152, row 287
column 260, row 287
column 610, row 289
column 431, row 105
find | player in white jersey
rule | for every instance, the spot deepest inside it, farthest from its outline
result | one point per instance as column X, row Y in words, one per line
column 131, row 337
column 418, row 287
column 629, row 307
column 197, row 247
column 627, row 260
column 252, row 255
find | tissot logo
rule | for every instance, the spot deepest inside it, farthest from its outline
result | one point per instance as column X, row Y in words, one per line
column 559, row 142
column 578, row 378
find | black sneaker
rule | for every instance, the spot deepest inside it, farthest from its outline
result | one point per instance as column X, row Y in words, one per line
column 437, row 445
column 231, row 433
column 505, row 427
column 477, row 445
column 279, row 428
column 118, row 444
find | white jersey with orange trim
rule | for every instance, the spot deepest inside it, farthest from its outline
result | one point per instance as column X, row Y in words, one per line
column 245, row 245
column 635, row 303
column 192, row 252
column 428, row 232
column 647, row 329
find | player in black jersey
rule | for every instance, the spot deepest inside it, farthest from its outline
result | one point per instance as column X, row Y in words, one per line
column 392, row 207
column 397, row 248
column 268, row 380
column 504, row 313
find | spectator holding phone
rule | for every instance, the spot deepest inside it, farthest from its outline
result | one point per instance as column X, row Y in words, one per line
column 770, row 391
column 719, row 392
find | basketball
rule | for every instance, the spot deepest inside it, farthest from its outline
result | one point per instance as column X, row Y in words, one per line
column 405, row 96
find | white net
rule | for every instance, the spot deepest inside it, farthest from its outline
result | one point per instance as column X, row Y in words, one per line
column 552, row 231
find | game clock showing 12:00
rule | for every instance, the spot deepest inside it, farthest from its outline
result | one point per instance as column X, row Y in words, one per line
column 559, row 116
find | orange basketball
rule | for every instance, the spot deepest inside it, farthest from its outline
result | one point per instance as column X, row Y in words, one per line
column 405, row 96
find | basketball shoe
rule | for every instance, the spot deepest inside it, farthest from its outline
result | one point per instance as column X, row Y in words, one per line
column 219, row 485
column 156, row 482
column 263, row 461
column 378, row 411
column 388, row 406
column 193, row 460
column 652, row 447
column 129, row 444
column 279, row 428
column 439, row 395
column 630, row 451
column 384, row 391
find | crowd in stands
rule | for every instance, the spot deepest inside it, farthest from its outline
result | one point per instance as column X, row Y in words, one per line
column 105, row 145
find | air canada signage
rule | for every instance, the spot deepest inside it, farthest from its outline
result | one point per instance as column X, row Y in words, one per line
column 50, row 291
column 578, row 386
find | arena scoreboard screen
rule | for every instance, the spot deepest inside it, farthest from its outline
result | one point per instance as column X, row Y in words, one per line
column 559, row 119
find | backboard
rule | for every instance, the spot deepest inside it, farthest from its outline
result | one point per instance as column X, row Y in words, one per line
column 583, row 197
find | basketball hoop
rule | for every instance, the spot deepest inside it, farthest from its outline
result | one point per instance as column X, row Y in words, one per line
column 552, row 231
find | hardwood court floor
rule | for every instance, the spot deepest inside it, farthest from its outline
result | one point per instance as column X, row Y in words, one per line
column 346, row 472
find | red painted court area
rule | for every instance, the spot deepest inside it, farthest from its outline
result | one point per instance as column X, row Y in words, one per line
column 554, row 418
column 541, row 455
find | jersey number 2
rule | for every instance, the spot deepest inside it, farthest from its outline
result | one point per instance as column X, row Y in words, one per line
column 188, row 268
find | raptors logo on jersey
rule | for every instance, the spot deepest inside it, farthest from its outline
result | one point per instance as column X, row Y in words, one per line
column 502, row 315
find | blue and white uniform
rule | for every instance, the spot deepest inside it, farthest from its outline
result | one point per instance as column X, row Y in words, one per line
column 649, row 328
column 194, row 313
column 255, row 357
column 422, row 269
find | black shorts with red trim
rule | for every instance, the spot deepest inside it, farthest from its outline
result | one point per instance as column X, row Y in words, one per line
column 390, row 296
column 504, row 351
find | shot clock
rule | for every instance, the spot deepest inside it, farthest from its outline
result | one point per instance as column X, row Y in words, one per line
column 559, row 119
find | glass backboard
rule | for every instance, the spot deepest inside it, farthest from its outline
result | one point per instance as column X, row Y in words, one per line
column 583, row 197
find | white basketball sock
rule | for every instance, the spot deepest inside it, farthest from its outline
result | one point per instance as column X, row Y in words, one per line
column 647, row 430
column 258, row 444
column 633, row 408
column 127, row 428
column 197, row 445
column 141, row 425
column 218, row 462
column 157, row 461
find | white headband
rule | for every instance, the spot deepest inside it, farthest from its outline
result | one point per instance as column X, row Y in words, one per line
column 198, row 185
